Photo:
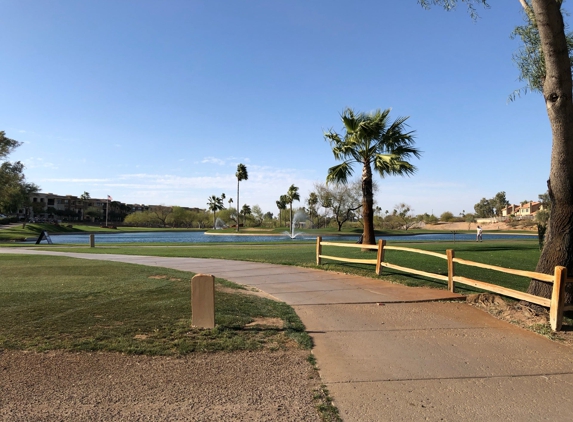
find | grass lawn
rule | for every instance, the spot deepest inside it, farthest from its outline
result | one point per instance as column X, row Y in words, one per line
column 18, row 233
column 518, row 254
column 64, row 303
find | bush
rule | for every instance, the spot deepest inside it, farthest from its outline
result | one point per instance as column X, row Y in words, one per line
column 447, row 217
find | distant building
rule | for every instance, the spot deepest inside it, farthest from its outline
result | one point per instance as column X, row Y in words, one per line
column 49, row 206
column 525, row 210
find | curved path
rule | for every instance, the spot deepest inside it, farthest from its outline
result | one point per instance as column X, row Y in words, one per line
column 392, row 353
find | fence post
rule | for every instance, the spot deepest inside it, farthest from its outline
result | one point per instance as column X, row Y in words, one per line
column 380, row 256
column 450, row 255
column 92, row 240
column 318, row 250
column 558, row 298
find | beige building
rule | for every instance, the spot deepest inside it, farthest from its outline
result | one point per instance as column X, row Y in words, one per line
column 525, row 210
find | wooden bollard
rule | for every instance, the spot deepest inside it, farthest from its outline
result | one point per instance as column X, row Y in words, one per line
column 203, row 301
column 451, row 267
column 92, row 240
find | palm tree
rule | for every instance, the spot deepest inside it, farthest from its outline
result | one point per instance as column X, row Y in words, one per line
column 281, row 205
column 371, row 140
column 85, row 197
column 312, row 201
column 291, row 196
column 241, row 175
column 246, row 210
column 215, row 204
column 230, row 201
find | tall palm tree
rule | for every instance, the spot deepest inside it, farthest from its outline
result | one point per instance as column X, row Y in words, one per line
column 371, row 140
column 241, row 174
column 291, row 196
column 281, row 205
column 215, row 204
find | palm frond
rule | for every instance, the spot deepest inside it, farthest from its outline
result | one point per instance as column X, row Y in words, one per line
column 339, row 173
column 392, row 164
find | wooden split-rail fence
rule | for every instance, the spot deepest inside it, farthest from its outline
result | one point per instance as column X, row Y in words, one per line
column 558, row 278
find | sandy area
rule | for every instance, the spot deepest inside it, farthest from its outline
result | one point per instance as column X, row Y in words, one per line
column 240, row 386
column 473, row 226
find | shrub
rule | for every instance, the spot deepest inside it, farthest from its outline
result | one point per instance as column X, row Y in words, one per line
column 447, row 217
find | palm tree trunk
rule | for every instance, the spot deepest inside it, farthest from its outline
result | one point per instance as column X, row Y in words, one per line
column 367, row 205
column 557, row 88
column 238, row 219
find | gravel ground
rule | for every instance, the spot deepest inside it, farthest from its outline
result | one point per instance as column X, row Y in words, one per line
column 239, row 386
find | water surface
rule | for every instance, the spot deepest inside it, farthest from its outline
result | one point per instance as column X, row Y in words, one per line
column 200, row 237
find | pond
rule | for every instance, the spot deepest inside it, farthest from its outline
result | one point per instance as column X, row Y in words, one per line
column 200, row 237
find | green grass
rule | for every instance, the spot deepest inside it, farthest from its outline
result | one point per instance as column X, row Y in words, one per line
column 64, row 303
column 18, row 233
column 517, row 254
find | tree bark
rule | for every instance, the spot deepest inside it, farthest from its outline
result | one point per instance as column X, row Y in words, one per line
column 557, row 92
column 367, row 206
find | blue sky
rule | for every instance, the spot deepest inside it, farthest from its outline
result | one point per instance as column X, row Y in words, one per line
column 156, row 102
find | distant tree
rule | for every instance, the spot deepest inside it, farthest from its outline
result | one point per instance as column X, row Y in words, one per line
column 201, row 218
column 180, row 217
column 499, row 202
column 312, row 202
column 291, row 196
column 215, row 203
column 94, row 213
column 484, row 209
column 447, row 216
column 257, row 214
column 38, row 207
column 245, row 212
column 545, row 200
column 326, row 203
column 427, row 218
column 241, row 175
column 281, row 205
column 371, row 140
column 469, row 218
column 161, row 214
column 403, row 212
column 343, row 200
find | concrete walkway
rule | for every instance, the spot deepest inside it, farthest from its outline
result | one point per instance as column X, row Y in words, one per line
column 392, row 353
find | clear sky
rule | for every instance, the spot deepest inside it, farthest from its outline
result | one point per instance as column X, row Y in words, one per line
column 156, row 102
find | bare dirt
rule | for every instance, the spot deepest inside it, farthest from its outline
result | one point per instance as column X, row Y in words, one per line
column 473, row 226
column 533, row 319
column 238, row 386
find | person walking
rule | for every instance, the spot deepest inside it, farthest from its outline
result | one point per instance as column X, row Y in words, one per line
column 479, row 234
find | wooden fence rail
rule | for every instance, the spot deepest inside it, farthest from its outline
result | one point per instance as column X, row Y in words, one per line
column 558, row 278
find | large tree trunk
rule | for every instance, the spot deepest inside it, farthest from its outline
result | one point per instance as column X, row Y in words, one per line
column 557, row 92
column 367, row 205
